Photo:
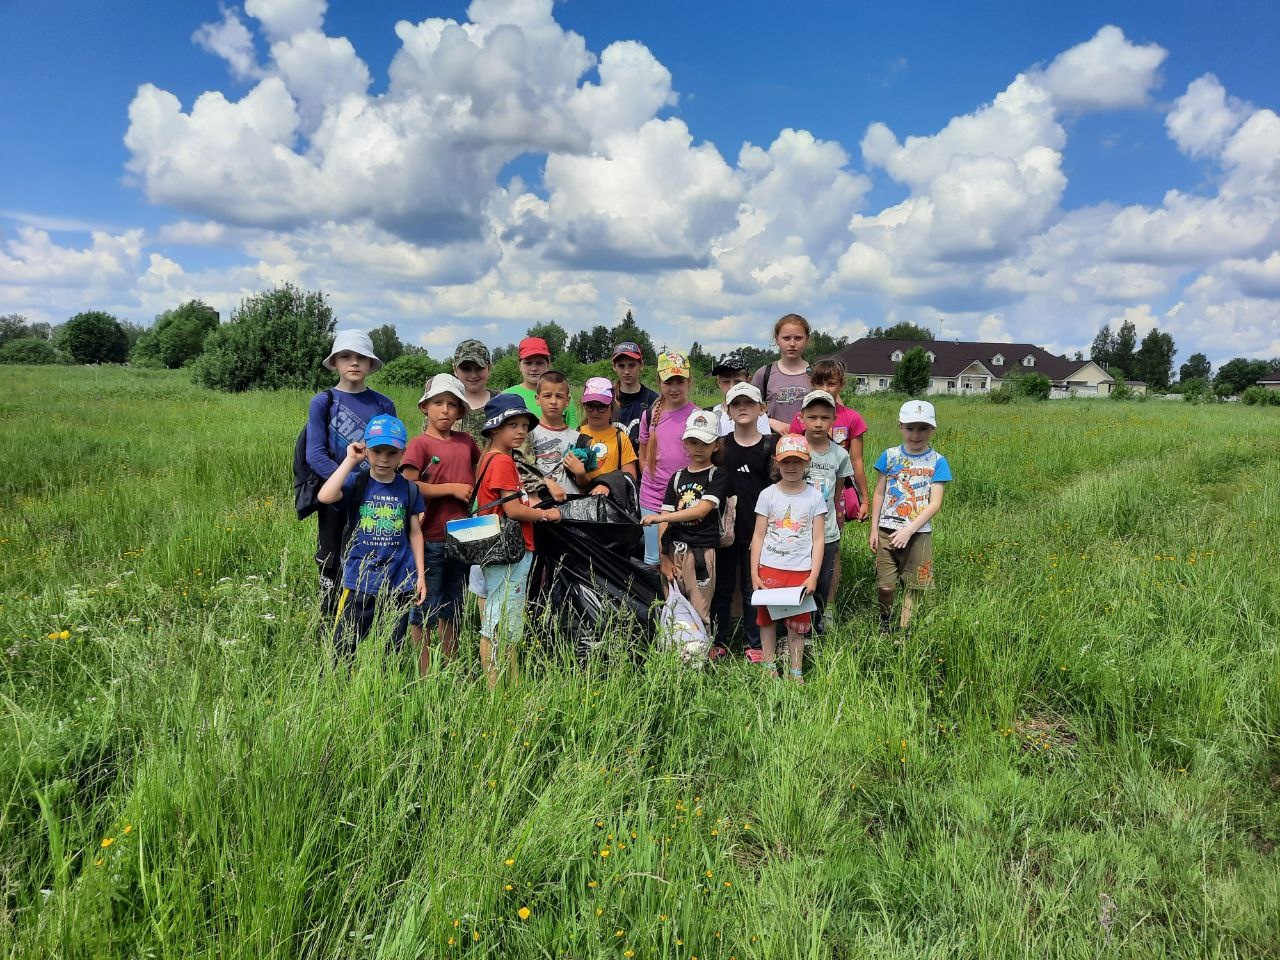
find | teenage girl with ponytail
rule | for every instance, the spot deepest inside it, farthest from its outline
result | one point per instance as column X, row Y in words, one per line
column 662, row 450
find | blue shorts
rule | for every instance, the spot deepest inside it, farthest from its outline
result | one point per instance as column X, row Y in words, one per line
column 445, row 582
column 652, row 549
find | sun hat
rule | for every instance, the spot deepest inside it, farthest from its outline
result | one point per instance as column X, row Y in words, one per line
column 672, row 364
column 444, row 383
column 628, row 348
column 818, row 396
column 357, row 341
column 472, row 351
column 384, row 430
column 729, row 363
column 597, row 390
column 918, row 411
column 744, row 389
column 503, row 407
column 702, row 425
column 534, row 347
column 792, row 446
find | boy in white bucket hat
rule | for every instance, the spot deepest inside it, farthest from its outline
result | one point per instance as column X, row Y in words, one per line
column 909, row 492
column 337, row 418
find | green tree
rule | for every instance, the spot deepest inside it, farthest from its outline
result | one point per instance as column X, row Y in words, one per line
column 177, row 337
column 593, row 346
column 28, row 350
column 386, row 342
column 755, row 357
column 275, row 340
column 1196, row 368
column 823, row 344
column 1236, row 375
column 555, row 335
column 1126, row 343
column 1154, row 360
column 1103, row 347
column 911, row 376
column 14, row 326
column 901, row 331
column 628, row 329
column 700, row 360
column 94, row 337
column 411, row 369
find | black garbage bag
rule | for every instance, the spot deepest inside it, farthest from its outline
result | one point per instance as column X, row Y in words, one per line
column 586, row 588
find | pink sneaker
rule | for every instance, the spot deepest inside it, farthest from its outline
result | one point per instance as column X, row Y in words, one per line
column 754, row 655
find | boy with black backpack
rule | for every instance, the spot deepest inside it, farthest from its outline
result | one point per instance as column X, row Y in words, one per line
column 382, row 562
column 336, row 418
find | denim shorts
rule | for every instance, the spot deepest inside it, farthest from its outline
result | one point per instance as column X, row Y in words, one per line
column 446, row 581
column 652, row 549
column 508, row 585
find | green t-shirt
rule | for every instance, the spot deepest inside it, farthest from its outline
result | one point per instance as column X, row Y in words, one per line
column 530, row 399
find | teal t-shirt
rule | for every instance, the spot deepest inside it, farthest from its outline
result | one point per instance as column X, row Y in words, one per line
column 530, row 399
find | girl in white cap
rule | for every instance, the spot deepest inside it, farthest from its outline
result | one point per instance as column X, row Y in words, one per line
column 336, row 418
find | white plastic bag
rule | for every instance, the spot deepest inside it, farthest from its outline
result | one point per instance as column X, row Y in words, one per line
column 681, row 628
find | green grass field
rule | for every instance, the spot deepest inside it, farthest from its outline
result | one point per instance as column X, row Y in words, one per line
column 1074, row 755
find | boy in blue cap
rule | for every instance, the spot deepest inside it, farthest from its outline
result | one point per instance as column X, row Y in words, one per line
column 382, row 562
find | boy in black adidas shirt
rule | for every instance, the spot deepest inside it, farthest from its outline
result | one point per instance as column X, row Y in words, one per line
column 747, row 456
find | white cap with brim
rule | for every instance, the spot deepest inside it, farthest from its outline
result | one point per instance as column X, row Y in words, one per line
column 818, row 396
column 703, row 426
column 918, row 411
column 744, row 389
column 357, row 341
column 444, row 383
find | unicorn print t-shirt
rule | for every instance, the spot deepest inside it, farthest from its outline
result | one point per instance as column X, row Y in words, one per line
column 788, row 527
column 908, row 477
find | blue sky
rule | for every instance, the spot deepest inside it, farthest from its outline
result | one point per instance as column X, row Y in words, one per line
column 499, row 178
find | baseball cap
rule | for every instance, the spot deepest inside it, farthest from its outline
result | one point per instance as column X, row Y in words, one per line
column 472, row 351
column 744, row 389
column 702, row 425
column 817, row 396
column 444, row 383
column 534, row 347
column 672, row 364
column 792, row 446
column 729, row 363
column 918, row 411
column 503, row 407
column 597, row 390
column 357, row 341
column 628, row 348
column 384, row 430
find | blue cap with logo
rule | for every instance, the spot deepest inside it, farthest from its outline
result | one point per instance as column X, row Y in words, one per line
column 384, row 430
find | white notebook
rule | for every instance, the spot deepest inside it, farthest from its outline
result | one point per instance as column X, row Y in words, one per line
column 784, row 602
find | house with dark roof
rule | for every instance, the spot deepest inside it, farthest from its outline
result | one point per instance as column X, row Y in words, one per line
column 963, row 367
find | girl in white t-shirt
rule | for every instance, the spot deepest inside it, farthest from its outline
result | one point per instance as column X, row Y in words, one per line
column 784, row 550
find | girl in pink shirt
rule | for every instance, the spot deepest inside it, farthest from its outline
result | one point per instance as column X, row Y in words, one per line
column 662, row 450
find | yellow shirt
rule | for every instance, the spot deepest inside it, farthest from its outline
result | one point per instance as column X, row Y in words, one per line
column 613, row 449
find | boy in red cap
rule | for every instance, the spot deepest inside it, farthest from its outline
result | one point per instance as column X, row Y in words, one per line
column 535, row 360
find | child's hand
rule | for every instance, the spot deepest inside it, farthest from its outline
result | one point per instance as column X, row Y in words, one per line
column 757, row 581
column 356, row 451
column 459, row 490
column 864, row 511
column 573, row 465
column 811, row 584
column 873, row 540
column 668, row 567
column 556, row 491
column 649, row 519
column 420, row 591
column 900, row 539
column 552, row 515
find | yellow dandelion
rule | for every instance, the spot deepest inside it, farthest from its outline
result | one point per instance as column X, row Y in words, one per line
column 618, row 933
column 53, row 636
column 593, row 884
column 508, row 887
column 509, row 862
column 455, row 923
column 599, row 911
column 728, row 884
column 628, row 953
column 523, row 913
column 492, row 784
column 709, row 874
column 65, row 635
column 605, row 851
column 475, row 934
column 451, row 941
column 128, row 828
column 746, row 826
column 108, row 841
column 99, row 862
column 599, row 823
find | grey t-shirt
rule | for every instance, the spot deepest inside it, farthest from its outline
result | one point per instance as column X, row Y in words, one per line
column 786, row 391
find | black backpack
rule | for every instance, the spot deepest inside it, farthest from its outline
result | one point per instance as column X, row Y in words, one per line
column 306, row 482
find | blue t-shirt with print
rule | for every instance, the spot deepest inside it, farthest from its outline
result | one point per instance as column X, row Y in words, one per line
column 378, row 555
column 908, row 477
column 327, row 437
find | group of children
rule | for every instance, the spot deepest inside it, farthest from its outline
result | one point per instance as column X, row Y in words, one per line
column 750, row 495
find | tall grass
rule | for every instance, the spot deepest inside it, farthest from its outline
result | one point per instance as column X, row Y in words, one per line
column 1073, row 755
